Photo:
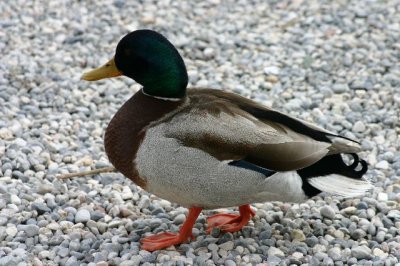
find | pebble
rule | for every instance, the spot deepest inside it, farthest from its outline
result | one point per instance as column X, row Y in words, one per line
column 11, row 231
column 15, row 199
column 335, row 254
column 128, row 263
column 227, row 245
column 82, row 216
column 327, row 212
column 229, row 263
column 40, row 208
column 30, row 230
column 359, row 126
column 179, row 219
column 349, row 210
column 272, row 70
column 340, row 88
column 361, row 252
column 298, row 235
column 380, row 253
column 273, row 251
column 384, row 165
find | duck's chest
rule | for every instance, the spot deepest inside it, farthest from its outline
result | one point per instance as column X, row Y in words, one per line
column 126, row 131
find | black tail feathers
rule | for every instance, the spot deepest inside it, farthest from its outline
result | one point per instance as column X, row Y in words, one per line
column 332, row 164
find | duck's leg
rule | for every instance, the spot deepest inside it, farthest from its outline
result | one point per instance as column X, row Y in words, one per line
column 231, row 222
column 166, row 239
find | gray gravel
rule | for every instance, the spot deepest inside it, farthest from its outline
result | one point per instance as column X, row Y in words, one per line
column 335, row 63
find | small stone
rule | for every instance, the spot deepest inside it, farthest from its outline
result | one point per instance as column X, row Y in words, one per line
column 45, row 254
column 359, row 127
column 11, row 230
column 327, row 212
column 361, row 252
column 340, row 88
column 349, row 210
column 394, row 214
column 126, row 193
column 272, row 78
column 273, row 251
column 362, row 206
column 96, row 215
column 30, row 230
column 273, row 260
column 266, row 234
column 15, row 199
column 82, row 216
column 384, row 165
column 8, row 261
column 40, row 208
column 247, row 231
column 3, row 220
column 180, row 218
column 45, row 188
column 114, row 224
column 358, row 234
column 63, row 252
column 382, row 196
column 6, row 134
column 272, row 70
column 380, row 253
column 311, row 241
column 72, row 261
column 209, row 52
column 128, row 263
column 255, row 259
column 230, row 263
column 297, row 255
column 338, row 234
column 144, row 202
column 334, row 253
column 53, row 226
column 298, row 235
column 227, row 245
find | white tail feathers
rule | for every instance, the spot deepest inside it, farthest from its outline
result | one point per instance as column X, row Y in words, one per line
column 341, row 185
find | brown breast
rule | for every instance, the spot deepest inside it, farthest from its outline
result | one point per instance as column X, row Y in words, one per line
column 127, row 129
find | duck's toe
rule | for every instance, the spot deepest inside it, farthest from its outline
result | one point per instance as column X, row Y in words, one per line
column 161, row 241
column 231, row 222
column 166, row 239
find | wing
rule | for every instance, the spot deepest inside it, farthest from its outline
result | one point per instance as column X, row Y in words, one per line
column 231, row 127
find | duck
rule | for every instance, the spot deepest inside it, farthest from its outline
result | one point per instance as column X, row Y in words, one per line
column 206, row 149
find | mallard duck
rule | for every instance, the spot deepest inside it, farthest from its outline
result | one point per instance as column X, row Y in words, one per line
column 207, row 149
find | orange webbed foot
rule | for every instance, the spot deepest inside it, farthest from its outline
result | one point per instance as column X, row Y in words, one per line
column 166, row 239
column 230, row 222
column 161, row 241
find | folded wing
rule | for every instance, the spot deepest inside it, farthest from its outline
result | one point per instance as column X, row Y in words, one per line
column 231, row 127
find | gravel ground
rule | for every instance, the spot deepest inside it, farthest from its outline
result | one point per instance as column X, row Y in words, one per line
column 335, row 63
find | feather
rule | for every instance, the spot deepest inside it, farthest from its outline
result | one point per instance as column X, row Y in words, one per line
column 341, row 185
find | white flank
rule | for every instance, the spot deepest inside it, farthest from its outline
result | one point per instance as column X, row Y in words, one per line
column 341, row 185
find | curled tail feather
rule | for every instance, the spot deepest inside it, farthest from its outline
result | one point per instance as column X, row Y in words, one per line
column 331, row 174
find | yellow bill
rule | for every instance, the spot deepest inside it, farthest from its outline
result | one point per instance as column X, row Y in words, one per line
column 108, row 70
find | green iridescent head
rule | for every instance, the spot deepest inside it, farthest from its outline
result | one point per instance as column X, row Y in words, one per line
column 151, row 60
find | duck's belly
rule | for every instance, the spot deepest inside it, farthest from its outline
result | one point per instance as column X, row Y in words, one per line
column 191, row 177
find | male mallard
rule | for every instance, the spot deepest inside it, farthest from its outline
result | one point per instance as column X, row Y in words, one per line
column 206, row 149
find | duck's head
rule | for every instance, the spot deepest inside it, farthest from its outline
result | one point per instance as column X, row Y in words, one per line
column 151, row 60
